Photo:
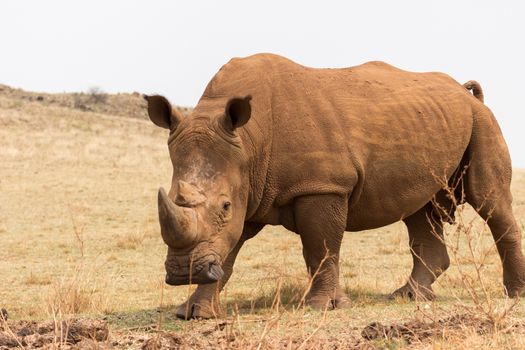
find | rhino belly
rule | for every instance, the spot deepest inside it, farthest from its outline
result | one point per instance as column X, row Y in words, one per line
column 396, row 188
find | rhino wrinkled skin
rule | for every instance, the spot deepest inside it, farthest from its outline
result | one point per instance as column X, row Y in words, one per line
column 323, row 151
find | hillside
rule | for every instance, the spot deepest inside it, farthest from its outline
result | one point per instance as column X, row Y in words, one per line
column 95, row 100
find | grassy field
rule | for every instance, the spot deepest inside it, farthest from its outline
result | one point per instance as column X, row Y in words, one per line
column 79, row 237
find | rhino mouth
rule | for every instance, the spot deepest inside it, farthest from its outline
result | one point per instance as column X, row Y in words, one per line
column 204, row 274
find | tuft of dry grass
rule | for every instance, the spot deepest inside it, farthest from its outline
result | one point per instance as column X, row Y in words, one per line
column 38, row 279
column 77, row 293
column 131, row 240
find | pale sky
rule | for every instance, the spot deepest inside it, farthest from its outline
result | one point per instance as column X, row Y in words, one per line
column 175, row 47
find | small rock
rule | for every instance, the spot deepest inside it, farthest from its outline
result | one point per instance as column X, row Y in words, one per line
column 162, row 341
column 91, row 329
column 88, row 344
column 374, row 330
column 8, row 341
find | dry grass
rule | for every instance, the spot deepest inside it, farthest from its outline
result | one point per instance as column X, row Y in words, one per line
column 131, row 240
column 79, row 237
column 34, row 279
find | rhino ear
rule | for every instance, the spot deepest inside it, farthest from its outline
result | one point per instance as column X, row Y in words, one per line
column 238, row 112
column 161, row 113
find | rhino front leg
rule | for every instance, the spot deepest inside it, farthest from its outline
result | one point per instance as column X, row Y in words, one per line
column 320, row 221
column 204, row 302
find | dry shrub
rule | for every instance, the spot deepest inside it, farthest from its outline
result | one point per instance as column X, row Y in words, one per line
column 85, row 101
column 470, row 254
column 479, row 309
column 97, row 95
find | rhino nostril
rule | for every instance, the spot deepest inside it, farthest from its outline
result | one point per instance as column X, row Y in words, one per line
column 207, row 272
column 169, row 280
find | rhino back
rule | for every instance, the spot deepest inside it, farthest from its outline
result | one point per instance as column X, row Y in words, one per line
column 382, row 136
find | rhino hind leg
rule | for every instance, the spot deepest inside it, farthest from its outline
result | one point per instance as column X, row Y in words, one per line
column 496, row 210
column 487, row 189
column 507, row 236
column 429, row 254
column 320, row 221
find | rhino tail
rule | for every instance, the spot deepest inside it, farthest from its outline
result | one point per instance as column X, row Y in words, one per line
column 476, row 89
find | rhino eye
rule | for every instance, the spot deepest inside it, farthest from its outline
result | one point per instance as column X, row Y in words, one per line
column 226, row 206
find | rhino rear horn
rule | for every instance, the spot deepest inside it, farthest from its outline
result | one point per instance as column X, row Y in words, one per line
column 188, row 195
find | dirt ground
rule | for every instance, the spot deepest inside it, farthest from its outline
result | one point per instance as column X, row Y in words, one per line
column 80, row 250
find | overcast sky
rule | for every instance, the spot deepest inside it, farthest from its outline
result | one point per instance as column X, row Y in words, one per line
column 175, row 47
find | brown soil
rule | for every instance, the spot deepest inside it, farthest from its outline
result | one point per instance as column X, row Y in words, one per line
column 32, row 334
column 95, row 334
column 419, row 332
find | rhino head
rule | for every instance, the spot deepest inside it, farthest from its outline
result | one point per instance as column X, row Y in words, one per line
column 202, row 215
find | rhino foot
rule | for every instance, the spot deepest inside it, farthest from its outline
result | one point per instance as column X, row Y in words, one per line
column 341, row 301
column 414, row 291
column 515, row 290
column 195, row 311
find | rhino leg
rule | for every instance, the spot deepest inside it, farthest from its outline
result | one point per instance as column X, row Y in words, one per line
column 487, row 187
column 320, row 221
column 204, row 302
column 507, row 236
column 429, row 254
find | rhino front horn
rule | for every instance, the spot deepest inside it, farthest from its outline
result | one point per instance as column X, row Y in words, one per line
column 177, row 224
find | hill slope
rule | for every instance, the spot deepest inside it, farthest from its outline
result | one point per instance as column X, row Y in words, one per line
column 95, row 100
